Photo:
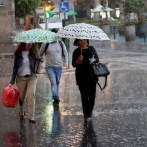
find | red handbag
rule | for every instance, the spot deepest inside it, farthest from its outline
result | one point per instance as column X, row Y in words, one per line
column 10, row 96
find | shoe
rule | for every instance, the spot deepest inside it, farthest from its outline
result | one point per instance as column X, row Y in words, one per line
column 87, row 119
column 32, row 121
column 22, row 116
column 57, row 101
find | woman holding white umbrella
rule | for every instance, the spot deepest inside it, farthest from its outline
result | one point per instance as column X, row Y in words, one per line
column 81, row 59
column 82, row 32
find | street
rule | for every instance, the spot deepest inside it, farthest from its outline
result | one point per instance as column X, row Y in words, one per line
column 120, row 112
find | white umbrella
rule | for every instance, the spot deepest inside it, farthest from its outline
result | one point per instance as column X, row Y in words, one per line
column 82, row 31
column 100, row 8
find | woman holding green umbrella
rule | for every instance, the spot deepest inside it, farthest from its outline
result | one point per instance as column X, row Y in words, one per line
column 24, row 76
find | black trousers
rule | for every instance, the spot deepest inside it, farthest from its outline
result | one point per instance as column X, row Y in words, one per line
column 88, row 93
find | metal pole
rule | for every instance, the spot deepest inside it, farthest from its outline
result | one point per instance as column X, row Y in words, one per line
column 144, row 36
column 106, row 16
column 65, row 19
column 106, row 3
column 46, row 24
column 106, row 11
column 65, row 40
column 114, row 33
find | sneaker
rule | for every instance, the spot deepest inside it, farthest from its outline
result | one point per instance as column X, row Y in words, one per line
column 56, row 101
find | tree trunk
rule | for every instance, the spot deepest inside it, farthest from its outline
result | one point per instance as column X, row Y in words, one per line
column 88, row 8
column 28, row 22
column 120, row 6
column 96, row 15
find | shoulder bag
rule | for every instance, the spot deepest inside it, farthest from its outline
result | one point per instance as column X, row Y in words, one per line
column 99, row 70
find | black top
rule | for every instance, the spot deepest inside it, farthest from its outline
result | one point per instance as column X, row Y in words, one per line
column 83, row 71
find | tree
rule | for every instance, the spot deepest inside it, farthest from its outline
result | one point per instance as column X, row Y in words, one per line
column 80, row 1
column 88, row 8
column 25, row 7
column 134, row 6
column 103, row 3
column 87, row 4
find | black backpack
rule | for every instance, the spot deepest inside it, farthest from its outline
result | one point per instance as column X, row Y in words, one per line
column 61, row 44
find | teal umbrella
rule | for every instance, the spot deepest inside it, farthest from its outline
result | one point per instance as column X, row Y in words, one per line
column 70, row 13
column 36, row 35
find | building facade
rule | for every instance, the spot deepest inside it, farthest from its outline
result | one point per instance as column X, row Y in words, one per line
column 7, row 25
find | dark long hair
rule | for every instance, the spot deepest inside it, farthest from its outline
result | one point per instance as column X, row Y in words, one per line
column 76, row 42
column 21, row 47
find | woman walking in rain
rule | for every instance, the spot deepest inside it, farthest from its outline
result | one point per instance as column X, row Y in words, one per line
column 81, row 59
column 25, row 78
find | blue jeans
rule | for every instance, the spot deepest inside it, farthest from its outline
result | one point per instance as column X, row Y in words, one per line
column 54, row 74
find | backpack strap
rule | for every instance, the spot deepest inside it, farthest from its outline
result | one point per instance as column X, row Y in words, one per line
column 46, row 46
column 93, row 52
column 104, row 84
column 61, row 44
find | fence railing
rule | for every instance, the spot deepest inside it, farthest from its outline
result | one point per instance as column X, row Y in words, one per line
column 19, row 26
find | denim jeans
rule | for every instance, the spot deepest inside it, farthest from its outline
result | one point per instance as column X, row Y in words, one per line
column 54, row 74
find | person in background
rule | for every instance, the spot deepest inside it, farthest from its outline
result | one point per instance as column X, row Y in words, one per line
column 81, row 58
column 56, row 58
column 25, row 28
column 24, row 76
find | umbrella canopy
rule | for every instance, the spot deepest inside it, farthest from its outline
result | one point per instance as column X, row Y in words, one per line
column 82, row 31
column 100, row 8
column 35, row 35
column 71, row 13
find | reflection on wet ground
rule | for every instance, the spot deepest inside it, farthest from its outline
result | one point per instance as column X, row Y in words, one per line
column 119, row 118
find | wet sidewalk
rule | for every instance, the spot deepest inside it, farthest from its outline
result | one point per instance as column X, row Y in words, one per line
column 120, row 112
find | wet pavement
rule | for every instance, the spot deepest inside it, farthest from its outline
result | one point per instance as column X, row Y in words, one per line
column 120, row 112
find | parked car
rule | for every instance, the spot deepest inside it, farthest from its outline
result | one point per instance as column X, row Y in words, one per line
column 53, row 22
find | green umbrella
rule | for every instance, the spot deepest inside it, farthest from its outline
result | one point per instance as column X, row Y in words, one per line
column 36, row 35
column 71, row 13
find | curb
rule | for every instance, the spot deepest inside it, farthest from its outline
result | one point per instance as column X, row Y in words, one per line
column 6, row 55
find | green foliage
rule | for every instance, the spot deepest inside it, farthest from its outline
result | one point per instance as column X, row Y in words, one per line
column 142, row 20
column 127, row 23
column 134, row 6
column 93, row 22
column 25, row 7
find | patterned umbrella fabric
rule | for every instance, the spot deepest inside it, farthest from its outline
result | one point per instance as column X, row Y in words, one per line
column 82, row 31
column 36, row 35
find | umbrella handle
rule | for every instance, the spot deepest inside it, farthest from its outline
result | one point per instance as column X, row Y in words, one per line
column 81, row 52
